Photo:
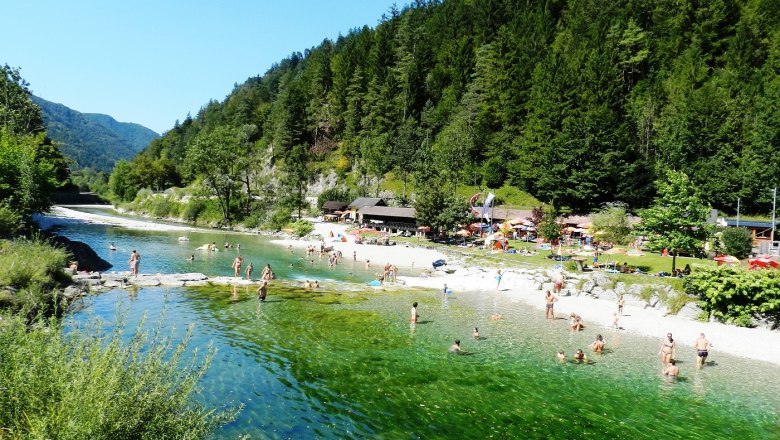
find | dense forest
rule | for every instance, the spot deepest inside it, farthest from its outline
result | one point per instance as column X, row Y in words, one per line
column 577, row 102
column 92, row 140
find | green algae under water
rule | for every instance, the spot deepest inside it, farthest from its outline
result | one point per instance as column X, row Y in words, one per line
column 347, row 363
column 344, row 362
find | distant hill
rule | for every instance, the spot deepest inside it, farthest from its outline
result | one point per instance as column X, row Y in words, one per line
column 93, row 140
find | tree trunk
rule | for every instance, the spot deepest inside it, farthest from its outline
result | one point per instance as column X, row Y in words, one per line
column 674, row 262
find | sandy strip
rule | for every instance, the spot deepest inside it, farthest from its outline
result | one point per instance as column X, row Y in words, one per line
column 759, row 344
column 755, row 343
column 99, row 219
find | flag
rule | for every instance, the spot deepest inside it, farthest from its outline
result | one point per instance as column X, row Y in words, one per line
column 486, row 206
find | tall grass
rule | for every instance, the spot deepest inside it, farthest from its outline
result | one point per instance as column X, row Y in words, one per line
column 87, row 384
column 30, row 270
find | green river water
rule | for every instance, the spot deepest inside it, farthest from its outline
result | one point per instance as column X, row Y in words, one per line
column 344, row 362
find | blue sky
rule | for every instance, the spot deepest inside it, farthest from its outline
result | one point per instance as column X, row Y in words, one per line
column 151, row 62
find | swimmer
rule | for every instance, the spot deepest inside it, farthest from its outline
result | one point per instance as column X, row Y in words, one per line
column 306, row 284
column 192, row 258
column 598, row 344
column 455, row 348
column 616, row 322
column 621, row 303
column 668, row 348
column 575, row 322
column 561, row 356
column 111, row 246
column 135, row 259
column 249, row 269
column 237, row 266
column 316, row 284
column 671, row 369
column 579, row 356
column 496, row 317
column 475, row 333
column 368, row 264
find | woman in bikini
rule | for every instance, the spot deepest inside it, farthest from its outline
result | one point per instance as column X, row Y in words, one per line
column 667, row 349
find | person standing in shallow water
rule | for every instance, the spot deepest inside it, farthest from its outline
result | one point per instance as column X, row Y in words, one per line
column 415, row 317
column 135, row 259
column 262, row 291
column 237, row 266
column 249, row 269
column 702, row 350
column 549, row 312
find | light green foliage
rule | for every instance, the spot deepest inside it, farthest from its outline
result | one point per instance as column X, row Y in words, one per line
column 611, row 225
column 10, row 221
column 548, row 228
column 27, row 177
column 33, row 268
column 735, row 241
column 301, row 228
column 215, row 156
column 278, row 218
column 735, row 295
column 677, row 219
column 89, row 384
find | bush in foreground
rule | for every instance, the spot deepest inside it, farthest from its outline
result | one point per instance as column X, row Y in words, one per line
column 87, row 384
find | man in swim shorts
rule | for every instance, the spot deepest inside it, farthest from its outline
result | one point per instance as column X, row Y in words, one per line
column 549, row 312
column 455, row 348
column 702, row 346
column 414, row 316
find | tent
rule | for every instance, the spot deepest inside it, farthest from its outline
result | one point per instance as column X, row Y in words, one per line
column 764, row 262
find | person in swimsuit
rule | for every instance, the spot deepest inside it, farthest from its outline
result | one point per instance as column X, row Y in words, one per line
column 561, row 356
column 671, row 370
column 667, row 349
column 237, row 266
column 598, row 344
column 262, row 291
column 475, row 333
column 702, row 350
column 499, row 275
column 575, row 322
column 249, row 269
column 135, row 259
column 579, row 356
column 455, row 348
column 621, row 303
column 415, row 316
column 549, row 312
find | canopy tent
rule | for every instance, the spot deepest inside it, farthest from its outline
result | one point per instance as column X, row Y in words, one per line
column 765, row 262
column 726, row 259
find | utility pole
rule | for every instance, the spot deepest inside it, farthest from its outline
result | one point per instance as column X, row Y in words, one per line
column 774, row 202
column 737, row 211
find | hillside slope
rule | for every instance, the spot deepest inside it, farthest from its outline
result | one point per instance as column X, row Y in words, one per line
column 93, row 140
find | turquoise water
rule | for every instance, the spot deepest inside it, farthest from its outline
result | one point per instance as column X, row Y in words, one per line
column 345, row 362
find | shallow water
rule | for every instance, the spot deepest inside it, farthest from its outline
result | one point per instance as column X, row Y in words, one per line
column 345, row 362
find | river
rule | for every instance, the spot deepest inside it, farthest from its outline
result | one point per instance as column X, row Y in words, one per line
column 344, row 362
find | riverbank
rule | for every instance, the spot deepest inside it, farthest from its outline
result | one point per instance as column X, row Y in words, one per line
column 518, row 285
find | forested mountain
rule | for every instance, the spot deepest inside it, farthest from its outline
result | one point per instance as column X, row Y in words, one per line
column 93, row 140
column 578, row 102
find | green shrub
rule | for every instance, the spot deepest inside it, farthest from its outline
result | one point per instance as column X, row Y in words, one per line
column 278, row 218
column 33, row 268
column 88, row 384
column 736, row 296
column 10, row 221
column 301, row 228
column 192, row 209
column 737, row 242
column 570, row 266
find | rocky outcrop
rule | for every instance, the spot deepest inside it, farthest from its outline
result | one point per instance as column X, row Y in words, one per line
column 86, row 257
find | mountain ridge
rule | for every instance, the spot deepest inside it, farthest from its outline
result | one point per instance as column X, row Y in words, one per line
column 93, row 140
